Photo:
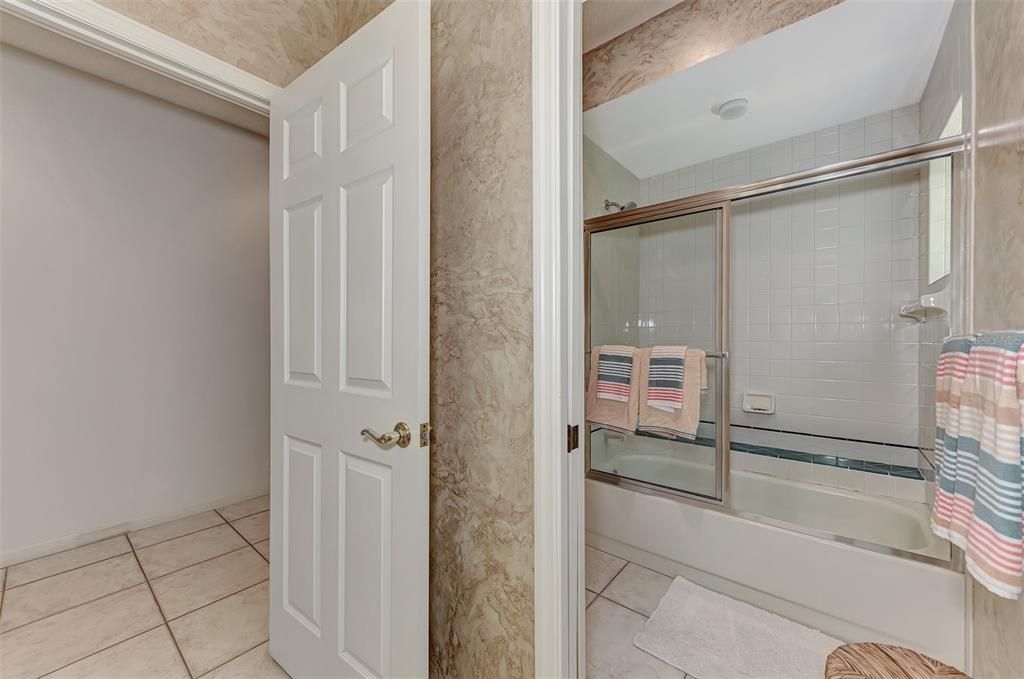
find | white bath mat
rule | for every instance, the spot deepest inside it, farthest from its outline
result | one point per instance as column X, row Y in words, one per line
column 711, row 636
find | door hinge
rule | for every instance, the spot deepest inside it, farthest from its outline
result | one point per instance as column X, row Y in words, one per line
column 425, row 435
column 573, row 441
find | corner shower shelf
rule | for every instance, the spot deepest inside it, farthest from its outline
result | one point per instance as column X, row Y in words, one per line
column 931, row 306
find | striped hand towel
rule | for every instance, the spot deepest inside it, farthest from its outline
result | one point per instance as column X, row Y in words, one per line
column 612, row 413
column 979, row 498
column 665, row 378
column 614, row 372
column 680, row 423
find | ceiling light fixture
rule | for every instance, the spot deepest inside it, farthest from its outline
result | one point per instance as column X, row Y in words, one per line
column 732, row 109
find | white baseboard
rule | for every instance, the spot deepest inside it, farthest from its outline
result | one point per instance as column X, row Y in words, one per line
column 15, row 556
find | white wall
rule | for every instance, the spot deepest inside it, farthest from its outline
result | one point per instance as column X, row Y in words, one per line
column 854, row 139
column 135, row 309
column 604, row 177
column 614, row 296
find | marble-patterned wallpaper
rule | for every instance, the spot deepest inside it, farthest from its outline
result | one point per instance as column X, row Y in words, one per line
column 998, row 262
column 273, row 39
column 353, row 15
column 999, row 165
column 481, row 401
column 481, row 544
column 687, row 34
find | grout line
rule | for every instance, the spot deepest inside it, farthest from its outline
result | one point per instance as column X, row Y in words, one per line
column 70, row 570
column 646, row 616
column 105, row 648
column 178, row 570
column 219, row 599
column 160, row 609
column 617, row 573
column 217, row 667
column 239, row 518
column 598, row 549
column 91, row 563
column 670, row 577
column 131, row 546
column 245, row 538
column 69, row 549
column 819, row 436
column 145, row 580
column 77, row 605
column 193, row 532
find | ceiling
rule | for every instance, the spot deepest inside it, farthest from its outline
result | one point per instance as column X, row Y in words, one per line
column 853, row 60
column 607, row 19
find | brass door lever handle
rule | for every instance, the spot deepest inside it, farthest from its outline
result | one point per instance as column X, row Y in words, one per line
column 402, row 435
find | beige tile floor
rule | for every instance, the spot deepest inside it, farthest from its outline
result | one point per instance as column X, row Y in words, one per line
column 181, row 600
column 621, row 596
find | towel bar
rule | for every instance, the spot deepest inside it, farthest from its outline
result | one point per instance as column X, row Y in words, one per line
column 707, row 354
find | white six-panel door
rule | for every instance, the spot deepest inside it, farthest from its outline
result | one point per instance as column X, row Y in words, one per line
column 349, row 190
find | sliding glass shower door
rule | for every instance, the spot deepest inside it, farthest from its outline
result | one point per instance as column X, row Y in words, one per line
column 660, row 283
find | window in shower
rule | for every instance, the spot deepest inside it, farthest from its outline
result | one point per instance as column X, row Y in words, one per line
column 658, row 284
column 940, row 215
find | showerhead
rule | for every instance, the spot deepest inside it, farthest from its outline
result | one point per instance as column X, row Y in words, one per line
column 609, row 204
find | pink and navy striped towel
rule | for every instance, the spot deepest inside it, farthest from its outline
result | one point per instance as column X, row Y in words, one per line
column 665, row 378
column 614, row 372
column 979, row 496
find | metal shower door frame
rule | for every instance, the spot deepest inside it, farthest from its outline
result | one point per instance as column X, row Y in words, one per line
column 720, row 352
column 954, row 148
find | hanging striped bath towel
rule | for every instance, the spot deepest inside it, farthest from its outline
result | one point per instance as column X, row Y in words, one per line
column 979, row 498
column 609, row 380
column 614, row 372
column 665, row 378
column 682, row 421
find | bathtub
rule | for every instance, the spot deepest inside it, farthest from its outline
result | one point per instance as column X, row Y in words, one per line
column 848, row 591
column 869, row 519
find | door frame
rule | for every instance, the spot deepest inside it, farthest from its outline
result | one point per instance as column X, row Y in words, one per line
column 559, row 633
column 559, row 629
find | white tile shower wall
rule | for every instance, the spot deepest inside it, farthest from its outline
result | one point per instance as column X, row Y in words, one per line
column 818, row 276
column 677, row 288
column 677, row 281
column 614, row 281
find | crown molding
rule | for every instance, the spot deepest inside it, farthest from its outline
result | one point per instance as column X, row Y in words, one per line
column 104, row 29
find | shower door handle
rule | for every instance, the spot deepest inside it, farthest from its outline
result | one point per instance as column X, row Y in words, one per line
column 402, row 435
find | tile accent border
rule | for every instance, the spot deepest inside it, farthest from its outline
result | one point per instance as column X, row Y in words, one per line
column 902, row 471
